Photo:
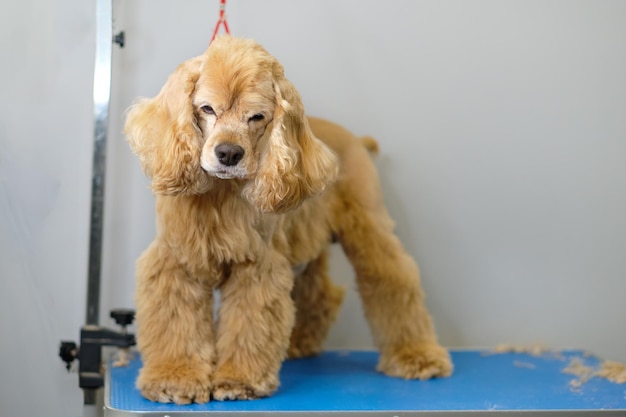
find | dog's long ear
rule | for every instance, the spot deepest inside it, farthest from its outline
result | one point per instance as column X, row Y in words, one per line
column 163, row 132
column 295, row 164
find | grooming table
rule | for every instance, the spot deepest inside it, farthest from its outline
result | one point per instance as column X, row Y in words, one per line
column 345, row 383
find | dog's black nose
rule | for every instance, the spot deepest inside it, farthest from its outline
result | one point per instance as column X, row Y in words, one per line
column 229, row 154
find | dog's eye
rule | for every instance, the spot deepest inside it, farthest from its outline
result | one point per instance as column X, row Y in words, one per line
column 207, row 109
column 257, row 117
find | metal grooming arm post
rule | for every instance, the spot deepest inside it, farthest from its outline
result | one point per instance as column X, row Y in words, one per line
column 92, row 336
column 101, row 98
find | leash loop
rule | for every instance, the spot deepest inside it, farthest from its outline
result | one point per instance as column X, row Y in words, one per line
column 221, row 21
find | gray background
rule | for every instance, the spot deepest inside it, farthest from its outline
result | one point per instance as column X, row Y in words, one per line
column 503, row 135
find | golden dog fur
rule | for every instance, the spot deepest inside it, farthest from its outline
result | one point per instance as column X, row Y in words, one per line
column 254, row 222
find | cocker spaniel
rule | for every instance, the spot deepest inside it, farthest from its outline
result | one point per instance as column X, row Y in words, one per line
column 249, row 195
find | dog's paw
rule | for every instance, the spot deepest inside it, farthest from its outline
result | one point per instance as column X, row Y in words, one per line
column 234, row 391
column 230, row 389
column 424, row 361
column 178, row 384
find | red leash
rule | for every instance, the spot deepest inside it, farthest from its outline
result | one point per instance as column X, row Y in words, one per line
column 221, row 20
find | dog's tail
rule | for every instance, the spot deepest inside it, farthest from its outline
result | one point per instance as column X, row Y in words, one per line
column 370, row 144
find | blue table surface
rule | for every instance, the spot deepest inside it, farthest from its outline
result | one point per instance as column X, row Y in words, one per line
column 348, row 381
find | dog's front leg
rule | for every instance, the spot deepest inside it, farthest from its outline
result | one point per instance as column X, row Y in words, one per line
column 255, row 320
column 174, row 329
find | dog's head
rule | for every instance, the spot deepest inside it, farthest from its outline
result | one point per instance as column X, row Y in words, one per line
column 231, row 115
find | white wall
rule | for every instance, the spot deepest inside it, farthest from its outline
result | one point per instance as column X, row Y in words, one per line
column 45, row 164
column 503, row 138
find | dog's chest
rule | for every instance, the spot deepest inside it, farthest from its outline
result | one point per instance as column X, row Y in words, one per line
column 233, row 236
column 210, row 233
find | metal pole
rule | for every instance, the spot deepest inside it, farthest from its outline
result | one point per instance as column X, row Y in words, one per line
column 101, row 98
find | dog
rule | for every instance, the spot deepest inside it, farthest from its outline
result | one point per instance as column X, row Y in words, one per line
column 249, row 194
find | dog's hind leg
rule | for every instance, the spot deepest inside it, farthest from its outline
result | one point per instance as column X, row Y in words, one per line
column 387, row 277
column 389, row 285
column 317, row 302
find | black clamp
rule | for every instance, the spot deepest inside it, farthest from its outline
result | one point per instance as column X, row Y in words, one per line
column 89, row 354
column 120, row 39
